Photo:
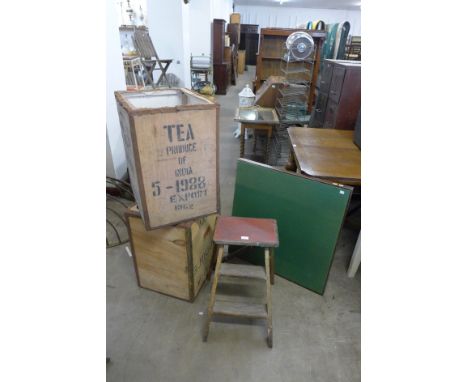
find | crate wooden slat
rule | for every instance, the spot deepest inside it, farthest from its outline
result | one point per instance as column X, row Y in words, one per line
column 171, row 144
column 172, row 260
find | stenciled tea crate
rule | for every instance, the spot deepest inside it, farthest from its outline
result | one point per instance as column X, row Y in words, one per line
column 171, row 144
column 173, row 260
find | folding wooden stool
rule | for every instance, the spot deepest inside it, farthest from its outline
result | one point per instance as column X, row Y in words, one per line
column 254, row 232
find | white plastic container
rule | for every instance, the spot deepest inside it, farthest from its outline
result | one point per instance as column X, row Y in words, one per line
column 246, row 97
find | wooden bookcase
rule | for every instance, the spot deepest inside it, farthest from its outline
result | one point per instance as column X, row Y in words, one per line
column 222, row 69
column 272, row 42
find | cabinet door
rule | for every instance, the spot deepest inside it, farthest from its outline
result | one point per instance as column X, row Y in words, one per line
column 218, row 40
column 330, row 115
column 320, row 108
column 337, row 83
column 220, row 78
column 251, row 48
column 325, row 77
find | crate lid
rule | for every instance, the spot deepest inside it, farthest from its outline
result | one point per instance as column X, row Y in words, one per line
column 164, row 100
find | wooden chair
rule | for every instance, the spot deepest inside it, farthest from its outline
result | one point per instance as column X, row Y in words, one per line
column 245, row 232
column 149, row 58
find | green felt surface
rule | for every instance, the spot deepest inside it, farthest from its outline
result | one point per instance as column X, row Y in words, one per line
column 309, row 214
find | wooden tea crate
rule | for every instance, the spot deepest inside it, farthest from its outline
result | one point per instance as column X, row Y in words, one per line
column 172, row 260
column 171, row 144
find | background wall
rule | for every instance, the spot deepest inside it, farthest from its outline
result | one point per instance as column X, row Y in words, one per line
column 169, row 28
column 221, row 9
column 202, row 13
column 288, row 17
column 115, row 80
column 200, row 27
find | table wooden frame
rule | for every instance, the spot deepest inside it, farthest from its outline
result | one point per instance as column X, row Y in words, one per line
column 256, row 125
column 335, row 157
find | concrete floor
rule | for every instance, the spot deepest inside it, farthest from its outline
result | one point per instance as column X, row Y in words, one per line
column 153, row 337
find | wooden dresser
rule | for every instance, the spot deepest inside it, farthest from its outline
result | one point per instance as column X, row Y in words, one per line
column 221, row 68
column 339, row 95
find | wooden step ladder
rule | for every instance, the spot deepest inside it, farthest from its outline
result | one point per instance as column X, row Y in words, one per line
column 247, row 232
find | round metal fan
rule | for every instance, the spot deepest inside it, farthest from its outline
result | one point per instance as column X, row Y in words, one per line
column 300, row 45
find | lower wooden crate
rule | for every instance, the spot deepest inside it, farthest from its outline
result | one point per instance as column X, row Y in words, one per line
column 173, row 260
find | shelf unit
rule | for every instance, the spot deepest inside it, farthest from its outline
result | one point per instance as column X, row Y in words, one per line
column 271, row 52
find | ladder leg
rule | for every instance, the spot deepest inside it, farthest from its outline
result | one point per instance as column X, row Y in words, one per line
column 268, row 292
column 272, row 266
column 213, row 293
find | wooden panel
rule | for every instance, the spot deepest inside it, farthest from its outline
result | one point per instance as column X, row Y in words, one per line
column 174, row 148
column 320, row 109
column 219, row 27
column 266, row 95
column 325, row 77
column 350, row 100
column 270, row 68
column 330, row 115
column 227, row 54
column 202, row 249
column 243, row 270
column 240, row 61
column 309, row 214
column 129, row 151
column 336, row 83
column 234, row 34
column 273, row 46
column 239, row 309
column 222, row 77
column 161, row 258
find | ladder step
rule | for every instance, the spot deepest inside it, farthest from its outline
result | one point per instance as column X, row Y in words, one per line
column 243, row 270
column 240, row 309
